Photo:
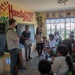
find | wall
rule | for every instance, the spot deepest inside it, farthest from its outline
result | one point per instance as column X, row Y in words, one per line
column 59, row 14
column 19, row 13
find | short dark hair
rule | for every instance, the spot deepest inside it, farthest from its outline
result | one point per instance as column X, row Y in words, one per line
column 51, row 35
column 44, row 67
column 11, row 21
column 67, row 42
column 37, row 31
column 63, row 50
column 26, row 26
column 72, row 32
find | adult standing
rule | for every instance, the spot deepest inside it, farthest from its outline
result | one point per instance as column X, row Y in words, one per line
column 39, row 40
column 27, row 42
column 71, row 37
column 13, row 45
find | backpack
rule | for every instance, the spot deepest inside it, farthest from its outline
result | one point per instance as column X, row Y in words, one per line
column 6, row 47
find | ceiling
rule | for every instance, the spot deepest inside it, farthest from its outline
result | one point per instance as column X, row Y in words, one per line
column 45, row 5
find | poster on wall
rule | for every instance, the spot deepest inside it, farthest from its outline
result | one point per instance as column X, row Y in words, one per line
column 60, row 14
column 47, row 15
column 53, row 15
column 68, row 14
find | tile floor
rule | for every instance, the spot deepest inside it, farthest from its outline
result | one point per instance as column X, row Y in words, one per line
column 30, row 65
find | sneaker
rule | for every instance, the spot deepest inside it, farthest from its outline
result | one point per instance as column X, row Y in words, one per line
column 30, row 58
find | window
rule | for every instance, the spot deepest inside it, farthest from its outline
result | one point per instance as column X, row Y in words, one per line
column 64, row 26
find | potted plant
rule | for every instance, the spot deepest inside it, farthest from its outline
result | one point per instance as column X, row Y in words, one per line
column 39, row 19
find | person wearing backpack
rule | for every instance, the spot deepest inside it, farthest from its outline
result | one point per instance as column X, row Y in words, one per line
column 13, row 45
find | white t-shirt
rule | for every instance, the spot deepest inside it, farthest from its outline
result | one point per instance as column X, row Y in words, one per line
column 60, row 66
column 57, row 38
column 53, row 44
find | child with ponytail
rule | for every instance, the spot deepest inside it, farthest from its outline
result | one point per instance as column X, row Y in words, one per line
column 63, row 63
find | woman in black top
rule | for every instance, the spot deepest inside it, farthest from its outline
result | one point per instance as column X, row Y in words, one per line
column 27, row 42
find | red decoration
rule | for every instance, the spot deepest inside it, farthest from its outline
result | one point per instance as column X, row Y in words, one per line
column 2, row 4
column 26, row 15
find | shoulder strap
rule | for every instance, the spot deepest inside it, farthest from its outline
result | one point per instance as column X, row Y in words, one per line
column 6, row 47
column 9, row 29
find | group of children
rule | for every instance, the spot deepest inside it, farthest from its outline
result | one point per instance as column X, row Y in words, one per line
column 62, row 61
column 61, row 64
column 49, row 46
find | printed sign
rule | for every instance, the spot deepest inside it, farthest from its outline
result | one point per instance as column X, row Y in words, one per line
column 8, row 61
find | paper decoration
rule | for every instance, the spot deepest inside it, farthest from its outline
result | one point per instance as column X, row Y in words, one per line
column 53, row 15
column 47, row 15
column 68, row 14
column 60, row 14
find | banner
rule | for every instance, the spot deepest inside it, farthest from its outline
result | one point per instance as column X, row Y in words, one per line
column 4, row 13
column 7, row 11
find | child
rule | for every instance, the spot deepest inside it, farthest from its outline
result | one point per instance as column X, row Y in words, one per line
column 58, row 38
column 52, row 44
column 44, row 67
column 67, row 43
column 46, row 48
column 62, row 64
